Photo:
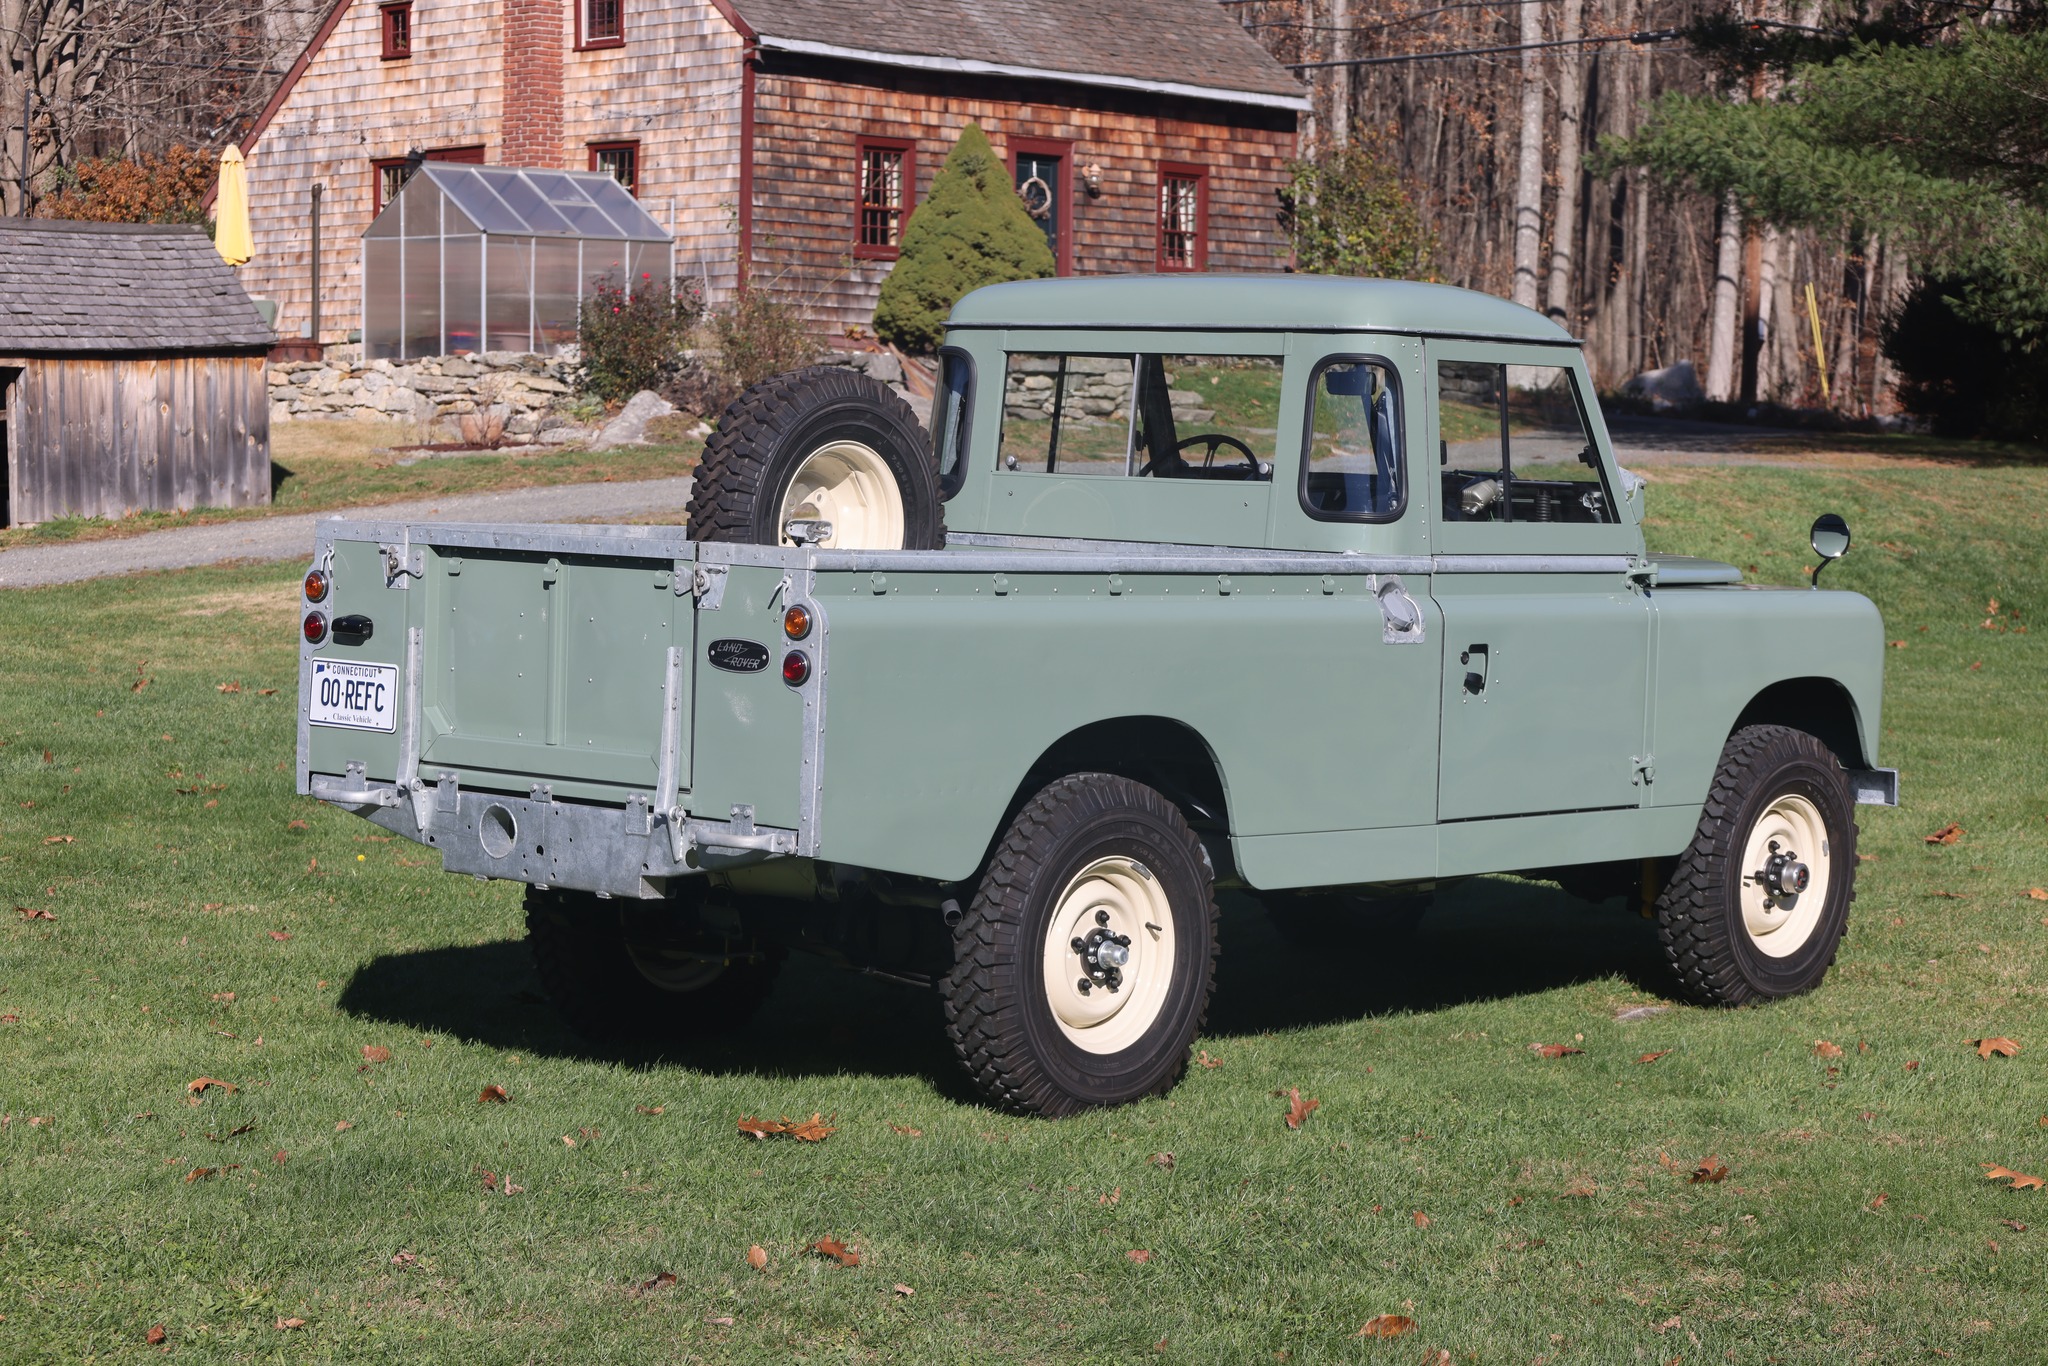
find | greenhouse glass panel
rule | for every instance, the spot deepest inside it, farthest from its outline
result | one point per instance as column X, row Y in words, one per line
column 470, row 257
column 508, row 294
column 556, row 275
column 462, row 293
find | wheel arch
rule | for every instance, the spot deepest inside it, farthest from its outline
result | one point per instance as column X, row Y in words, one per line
column 1165, row 754
column 1822, row 707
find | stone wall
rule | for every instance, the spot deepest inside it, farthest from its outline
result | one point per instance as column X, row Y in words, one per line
column 527, row 389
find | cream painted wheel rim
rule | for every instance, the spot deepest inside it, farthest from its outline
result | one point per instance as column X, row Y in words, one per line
column 850, row 486
column 1122, row 897
column 1778, row 924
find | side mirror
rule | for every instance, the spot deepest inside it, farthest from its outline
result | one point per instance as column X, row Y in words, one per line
column 1830, row 540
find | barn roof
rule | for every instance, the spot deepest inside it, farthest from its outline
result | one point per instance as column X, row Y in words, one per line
column 1187, row 47
column 119, row 288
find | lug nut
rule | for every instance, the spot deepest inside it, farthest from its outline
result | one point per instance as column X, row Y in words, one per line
column 1102, row 917
column 1083, row 985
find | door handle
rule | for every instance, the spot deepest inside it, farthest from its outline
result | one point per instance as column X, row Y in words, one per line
column 1474, row 658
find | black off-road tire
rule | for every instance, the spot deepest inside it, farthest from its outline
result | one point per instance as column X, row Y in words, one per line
column 997, row 1012
column 584, row 949
column 768, row 432
column 1699, row 913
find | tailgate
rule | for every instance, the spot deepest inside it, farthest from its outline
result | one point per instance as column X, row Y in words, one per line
column 519, row 656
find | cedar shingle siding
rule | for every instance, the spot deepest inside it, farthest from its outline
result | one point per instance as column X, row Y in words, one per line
column 1132, row 83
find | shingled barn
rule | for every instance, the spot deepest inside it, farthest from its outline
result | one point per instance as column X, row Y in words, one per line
column 131, row 373
column 786, row 141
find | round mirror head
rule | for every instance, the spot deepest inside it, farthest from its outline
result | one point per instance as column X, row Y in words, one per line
column 1830, row 536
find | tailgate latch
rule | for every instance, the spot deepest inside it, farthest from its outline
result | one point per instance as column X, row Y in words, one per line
column 707, row 584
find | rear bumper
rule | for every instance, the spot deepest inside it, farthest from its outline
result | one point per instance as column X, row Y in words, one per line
column 546, row 842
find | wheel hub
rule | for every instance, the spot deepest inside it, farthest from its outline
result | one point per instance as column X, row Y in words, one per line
column 1104, row 954
column 1784, row 875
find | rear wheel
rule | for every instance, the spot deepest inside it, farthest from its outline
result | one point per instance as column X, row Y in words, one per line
column 1083, row 968
column 822, row 446
column 1757, row 904
column 620, row 971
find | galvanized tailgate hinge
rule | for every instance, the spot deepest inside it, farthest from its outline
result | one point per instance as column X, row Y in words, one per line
column 706, row 582
column 1642, row 770
column 402, row 561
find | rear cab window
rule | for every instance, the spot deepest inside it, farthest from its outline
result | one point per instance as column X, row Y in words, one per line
column 1142, row 415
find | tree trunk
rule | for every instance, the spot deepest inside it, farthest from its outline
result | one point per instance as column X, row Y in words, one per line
column 1565, row 225
column 1529, row 165
column 1721, row 330
column 1340, row 76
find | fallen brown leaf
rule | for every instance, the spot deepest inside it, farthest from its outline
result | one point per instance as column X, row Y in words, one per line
column 661, row 1281
column 227, row 687
column 904, row 1290
column 1298, row 1110
column 493, row 1094
column 1164, row 1161
column 723, row 1320
column 1652, row 1057
column 1112, row 1198
column 907, row 1131
column 60, row 839
column 280, row 1157
column 568, row 1142
column 1386, row 1326
column 279, row 935
column 298, row 825
column 199, row 1084
column 1913, row 1066
column 837, row 1251
column 1948, row 834
column 1202, row 1059
column 1139, row 1255
column 757, row 1257
column 2002, row 1046
column 2015, row 1225
column 812, row 1130
column 1709, row 1173
column 342, row 1125
column 1878, row 1203
column 201, row 1174
column 1421, row 1220
column 156, row 1335
column 286, row 1325
column 34, row 913
column 376, row 1052
column 2020, row 1180
column 1823, row 1049
column 2038, row 893
column 1580, row 1190
column 648, row 1109
column 759, row 1128
column 1554, row 1050
column 405, row 1261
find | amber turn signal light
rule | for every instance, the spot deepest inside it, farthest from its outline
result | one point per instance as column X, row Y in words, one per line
column 316, row 587
column 796, row 667
column 315, row 627
column 796, row 623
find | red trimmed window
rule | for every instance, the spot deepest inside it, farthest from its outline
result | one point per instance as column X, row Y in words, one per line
column 888, row 183
column 600, row 23
column 387, row 175
column 620, row 161
column 396, row 22
column 1183, row 217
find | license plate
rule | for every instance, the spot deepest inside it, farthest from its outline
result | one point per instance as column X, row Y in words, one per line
column 359, row 696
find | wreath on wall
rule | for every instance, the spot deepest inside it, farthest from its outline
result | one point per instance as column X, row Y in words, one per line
column 1037, row 197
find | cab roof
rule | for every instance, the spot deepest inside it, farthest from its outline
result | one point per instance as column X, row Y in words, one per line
column 1249, row 303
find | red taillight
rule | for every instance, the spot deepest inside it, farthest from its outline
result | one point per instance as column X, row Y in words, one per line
column 796, row 667
column 315, row 627
column 316, row 587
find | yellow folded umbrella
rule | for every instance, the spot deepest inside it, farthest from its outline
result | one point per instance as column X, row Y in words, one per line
column 231, row 210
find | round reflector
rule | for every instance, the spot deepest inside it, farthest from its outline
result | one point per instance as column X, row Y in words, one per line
column 316, row 587
column 796, row 667
column 315, row 627
column 796, row 623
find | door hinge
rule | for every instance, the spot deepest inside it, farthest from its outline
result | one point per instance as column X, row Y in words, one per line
column 1642, row 770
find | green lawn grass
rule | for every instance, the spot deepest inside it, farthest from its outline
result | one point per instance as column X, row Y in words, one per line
column 317, row 466
column 1555, row 1230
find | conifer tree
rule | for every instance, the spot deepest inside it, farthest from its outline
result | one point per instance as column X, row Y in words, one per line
column 972, row 230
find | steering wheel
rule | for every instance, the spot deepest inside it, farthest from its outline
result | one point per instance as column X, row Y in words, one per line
column 1211, row 442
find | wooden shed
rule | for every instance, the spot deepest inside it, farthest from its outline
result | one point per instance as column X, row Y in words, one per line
column 131, row 373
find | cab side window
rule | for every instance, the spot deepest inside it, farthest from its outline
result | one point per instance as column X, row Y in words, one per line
column 1352, row 470
column 1146, row 416
column 1514, row 447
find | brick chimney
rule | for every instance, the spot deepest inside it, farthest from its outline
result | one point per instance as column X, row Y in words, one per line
column 533, row 83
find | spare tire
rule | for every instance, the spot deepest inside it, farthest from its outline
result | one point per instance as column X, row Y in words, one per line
column 825, row 445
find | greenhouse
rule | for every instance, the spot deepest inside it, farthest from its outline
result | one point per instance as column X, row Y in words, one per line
column 496, row 258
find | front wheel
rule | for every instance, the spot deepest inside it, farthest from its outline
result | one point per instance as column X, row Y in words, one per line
column 1756, row 905
column 1083, row 968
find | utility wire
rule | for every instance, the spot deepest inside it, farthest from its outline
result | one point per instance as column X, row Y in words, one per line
column 1643, row 39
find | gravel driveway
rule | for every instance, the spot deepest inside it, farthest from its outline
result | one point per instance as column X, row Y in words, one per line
column 288, row 537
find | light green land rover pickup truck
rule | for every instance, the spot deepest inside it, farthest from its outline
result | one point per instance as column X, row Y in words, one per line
column 1328, row 590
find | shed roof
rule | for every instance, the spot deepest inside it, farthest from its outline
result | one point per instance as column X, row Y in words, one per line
column 1190, row 47
column 514, row 200
column 1247, row 303
column 119, row 287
